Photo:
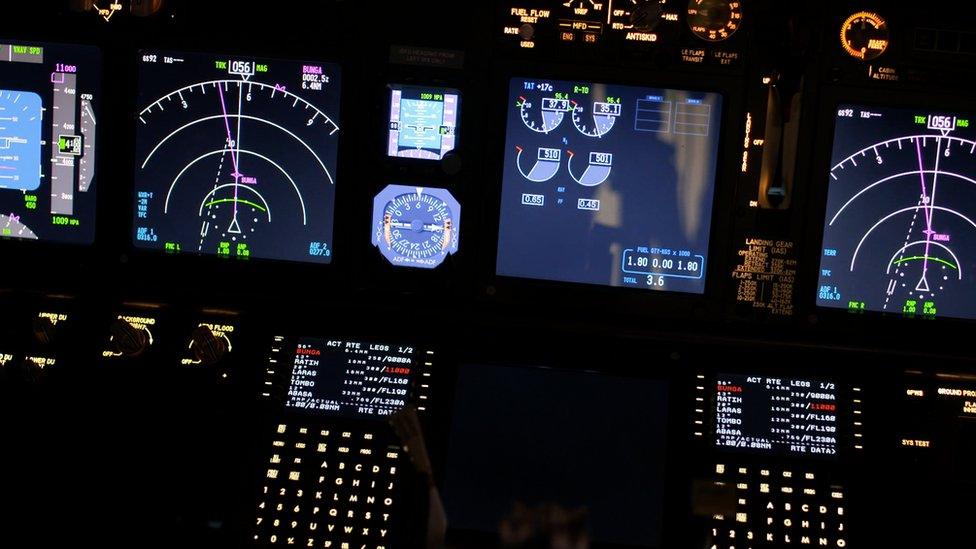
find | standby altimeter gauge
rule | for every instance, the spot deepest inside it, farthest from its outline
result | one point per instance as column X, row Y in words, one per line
column 416, row 226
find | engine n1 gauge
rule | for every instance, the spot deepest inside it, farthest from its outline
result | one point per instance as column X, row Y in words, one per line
column 595, row 118
column 864, row 35
column 416, row 226
column 542, row 114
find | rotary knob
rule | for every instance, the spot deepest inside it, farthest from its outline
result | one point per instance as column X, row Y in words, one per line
column 207, row 347
column 44, row 330
column 24, row 371
column 131, row 341
column 646, row 14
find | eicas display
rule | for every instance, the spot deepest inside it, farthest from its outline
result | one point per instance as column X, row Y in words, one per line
column 236, row 156
column 416, row 226
column 900, row 230
column 49, row 105
column 610, row 185
column 423, row 121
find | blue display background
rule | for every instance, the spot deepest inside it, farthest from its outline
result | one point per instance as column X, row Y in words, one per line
column 658, row 194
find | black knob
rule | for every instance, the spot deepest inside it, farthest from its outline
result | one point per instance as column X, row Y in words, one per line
column 44, row 330
column 129, row 340
column 24, row 371
column 145, row 8
column 646, row 15
column 207, row 347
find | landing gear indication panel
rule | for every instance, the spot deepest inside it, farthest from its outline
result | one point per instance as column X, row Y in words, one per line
column 607, row 184
column 236, row 156
column 900, row 226
column 49, row 109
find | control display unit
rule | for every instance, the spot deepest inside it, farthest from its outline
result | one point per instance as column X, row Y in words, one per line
column 49, row 107
column 423, row 121
column 900, row 227
column 607, row 184
column 775, row 415
column 353, row 378
column 236, row 156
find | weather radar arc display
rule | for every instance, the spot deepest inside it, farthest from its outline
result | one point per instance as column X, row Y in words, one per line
column 900, row 226
column 608, row 184
column 236, row 156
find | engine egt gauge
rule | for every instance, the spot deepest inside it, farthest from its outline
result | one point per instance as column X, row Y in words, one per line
column 236, row 156
column 416, row 226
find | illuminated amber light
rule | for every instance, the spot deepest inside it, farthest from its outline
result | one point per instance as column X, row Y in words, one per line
column 916, row 443
column 864, row 35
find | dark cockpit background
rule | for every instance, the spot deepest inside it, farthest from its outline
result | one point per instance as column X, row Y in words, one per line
column 712, row 280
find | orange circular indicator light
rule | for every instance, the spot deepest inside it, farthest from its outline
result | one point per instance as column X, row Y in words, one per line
column 864, row 35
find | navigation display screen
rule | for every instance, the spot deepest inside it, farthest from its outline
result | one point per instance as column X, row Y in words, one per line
column 579, row 440
column 776, row 415
column 900, row 228
column 352, row 378
column 423, row 121
column 50, row 104
column 236, row 156
column 608, row 184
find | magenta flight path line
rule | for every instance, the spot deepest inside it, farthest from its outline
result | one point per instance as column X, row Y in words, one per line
column 928, row 210
column 237, row 172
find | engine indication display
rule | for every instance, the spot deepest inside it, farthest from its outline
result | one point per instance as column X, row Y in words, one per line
column 236, row 156
column 49, row 98
column 607, row 184
column 416, row 226
column 900, row 226
column 423, row 121
column 776, row 415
